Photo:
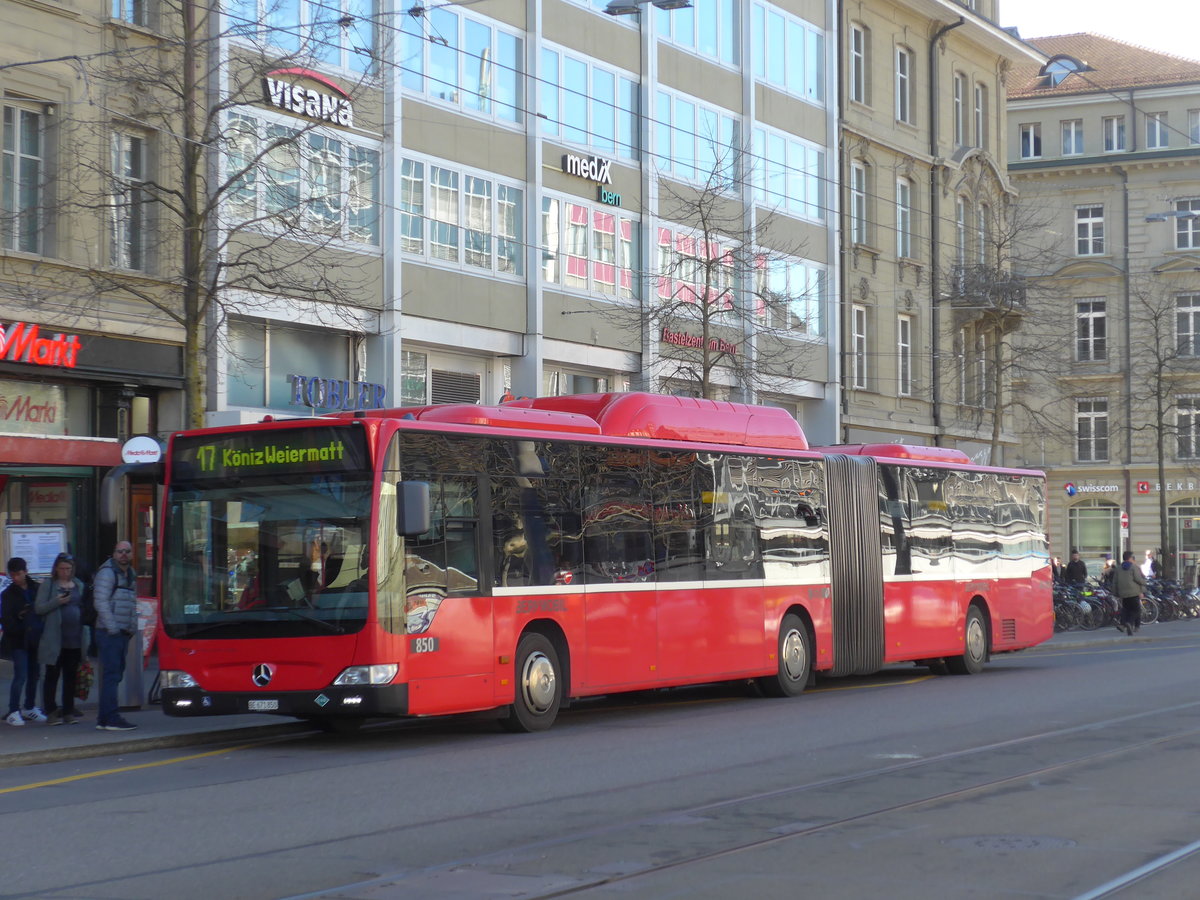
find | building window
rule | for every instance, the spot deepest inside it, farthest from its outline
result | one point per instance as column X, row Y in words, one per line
column 588, row 248
column 132, row 11
column 960, row 109
column 1031, row 141
column 1156, row 131
column 859, row 65
column 1187, row 230
column 961, row 368
column 1194, row 126
column 465, row 60
column 790, row 292
column 1089, row 230
column 858, row 352
column 337, row 33
column 1091, row 331
column 559, row 383
column 696, row 142
column 1072, row 137
column 313, row 178
column 788, row 53
column 1187, row 325
column 904, row 85
column 414, row 378
column 985, row 345
column 1114, row 133
column 858, row 203
column 709, row 29
column 904, row 334
column 461, row 217
column 23, row 172
column 588, row 104
column 960, row 231
column 1091, row 430
column 904, row 237
column 788, row 174
column 981, row 115
column 262, row 356
column 1187, row 426
column 983, row 234
column 127, row 211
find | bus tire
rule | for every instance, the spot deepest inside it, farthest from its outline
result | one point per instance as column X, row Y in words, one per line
column 795, row 660
column 975, row 645
column 538, row 685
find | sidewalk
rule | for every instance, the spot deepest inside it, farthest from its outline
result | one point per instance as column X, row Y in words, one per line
column 39, row 743
column 34, row 743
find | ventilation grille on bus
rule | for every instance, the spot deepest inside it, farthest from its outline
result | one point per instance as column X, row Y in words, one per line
column 855, row 564
column 1008, row 629
column 453, row 387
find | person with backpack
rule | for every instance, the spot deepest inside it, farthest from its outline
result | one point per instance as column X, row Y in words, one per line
column 64, row 637
column 19, row 642
column 114, row 593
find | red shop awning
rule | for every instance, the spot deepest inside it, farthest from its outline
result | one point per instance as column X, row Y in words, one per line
column 55, row 450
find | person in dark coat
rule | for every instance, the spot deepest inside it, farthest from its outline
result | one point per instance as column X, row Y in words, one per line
column 1076, row 571
column 22, row 631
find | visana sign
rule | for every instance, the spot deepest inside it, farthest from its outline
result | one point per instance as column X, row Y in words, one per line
column 590, row 167
column 285, row 94
column 23, row 343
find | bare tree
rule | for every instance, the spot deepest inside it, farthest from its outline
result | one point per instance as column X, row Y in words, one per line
column 1009, row 333
column 204, row 207
column 1164, row 373
column 729, row 297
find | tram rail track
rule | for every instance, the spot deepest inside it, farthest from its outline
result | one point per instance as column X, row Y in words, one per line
column 1120, row 748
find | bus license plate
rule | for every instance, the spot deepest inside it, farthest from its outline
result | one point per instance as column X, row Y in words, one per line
column 262, row 705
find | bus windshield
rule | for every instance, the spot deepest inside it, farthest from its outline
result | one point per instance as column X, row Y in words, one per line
column 266, row 554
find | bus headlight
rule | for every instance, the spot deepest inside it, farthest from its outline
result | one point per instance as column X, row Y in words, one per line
column 381, row 674
column 170, row 678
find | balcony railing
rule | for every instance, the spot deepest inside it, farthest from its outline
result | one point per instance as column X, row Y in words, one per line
column 988, row 289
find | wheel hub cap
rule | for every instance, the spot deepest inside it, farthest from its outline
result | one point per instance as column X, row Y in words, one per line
column 537, row 682
column 794, row 659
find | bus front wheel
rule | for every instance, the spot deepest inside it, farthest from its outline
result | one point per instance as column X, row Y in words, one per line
column 538, row 685
column 975, row 646
column 795, row 660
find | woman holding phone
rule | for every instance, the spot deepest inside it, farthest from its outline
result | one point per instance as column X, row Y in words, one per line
column 59, row 603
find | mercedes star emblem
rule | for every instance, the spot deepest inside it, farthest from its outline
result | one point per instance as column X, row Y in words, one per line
column 262, row 675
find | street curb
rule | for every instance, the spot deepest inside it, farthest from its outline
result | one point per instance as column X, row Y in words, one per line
column 157, row 742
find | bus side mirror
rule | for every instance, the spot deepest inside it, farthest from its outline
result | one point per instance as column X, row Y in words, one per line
column 412, row 508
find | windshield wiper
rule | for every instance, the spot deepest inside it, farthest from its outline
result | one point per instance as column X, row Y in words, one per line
column 307, row 617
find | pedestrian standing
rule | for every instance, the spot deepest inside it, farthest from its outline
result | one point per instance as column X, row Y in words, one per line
column 64, row 637
column 22, row 631
column 1130, row 582
column 114, row 591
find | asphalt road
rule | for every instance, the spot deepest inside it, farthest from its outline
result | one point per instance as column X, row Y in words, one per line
column 1069, row 772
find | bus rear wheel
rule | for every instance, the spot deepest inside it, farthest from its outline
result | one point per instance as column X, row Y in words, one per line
column 795, row 660
column 538, row 685
column 975, row 646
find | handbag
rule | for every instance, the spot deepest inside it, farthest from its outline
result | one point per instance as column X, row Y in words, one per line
column 85, row 677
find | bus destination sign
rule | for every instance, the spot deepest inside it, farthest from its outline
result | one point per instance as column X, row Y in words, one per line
column 320, row 450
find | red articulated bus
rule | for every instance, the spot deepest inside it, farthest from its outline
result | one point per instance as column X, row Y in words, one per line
column 450, row 559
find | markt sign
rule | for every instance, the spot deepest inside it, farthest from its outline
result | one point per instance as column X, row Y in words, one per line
column 24, row 343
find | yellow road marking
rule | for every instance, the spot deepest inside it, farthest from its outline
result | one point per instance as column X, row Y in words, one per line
column 859, row 687
column 118, row 771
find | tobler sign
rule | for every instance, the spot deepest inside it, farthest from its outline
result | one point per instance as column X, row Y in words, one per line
column 330, row 105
